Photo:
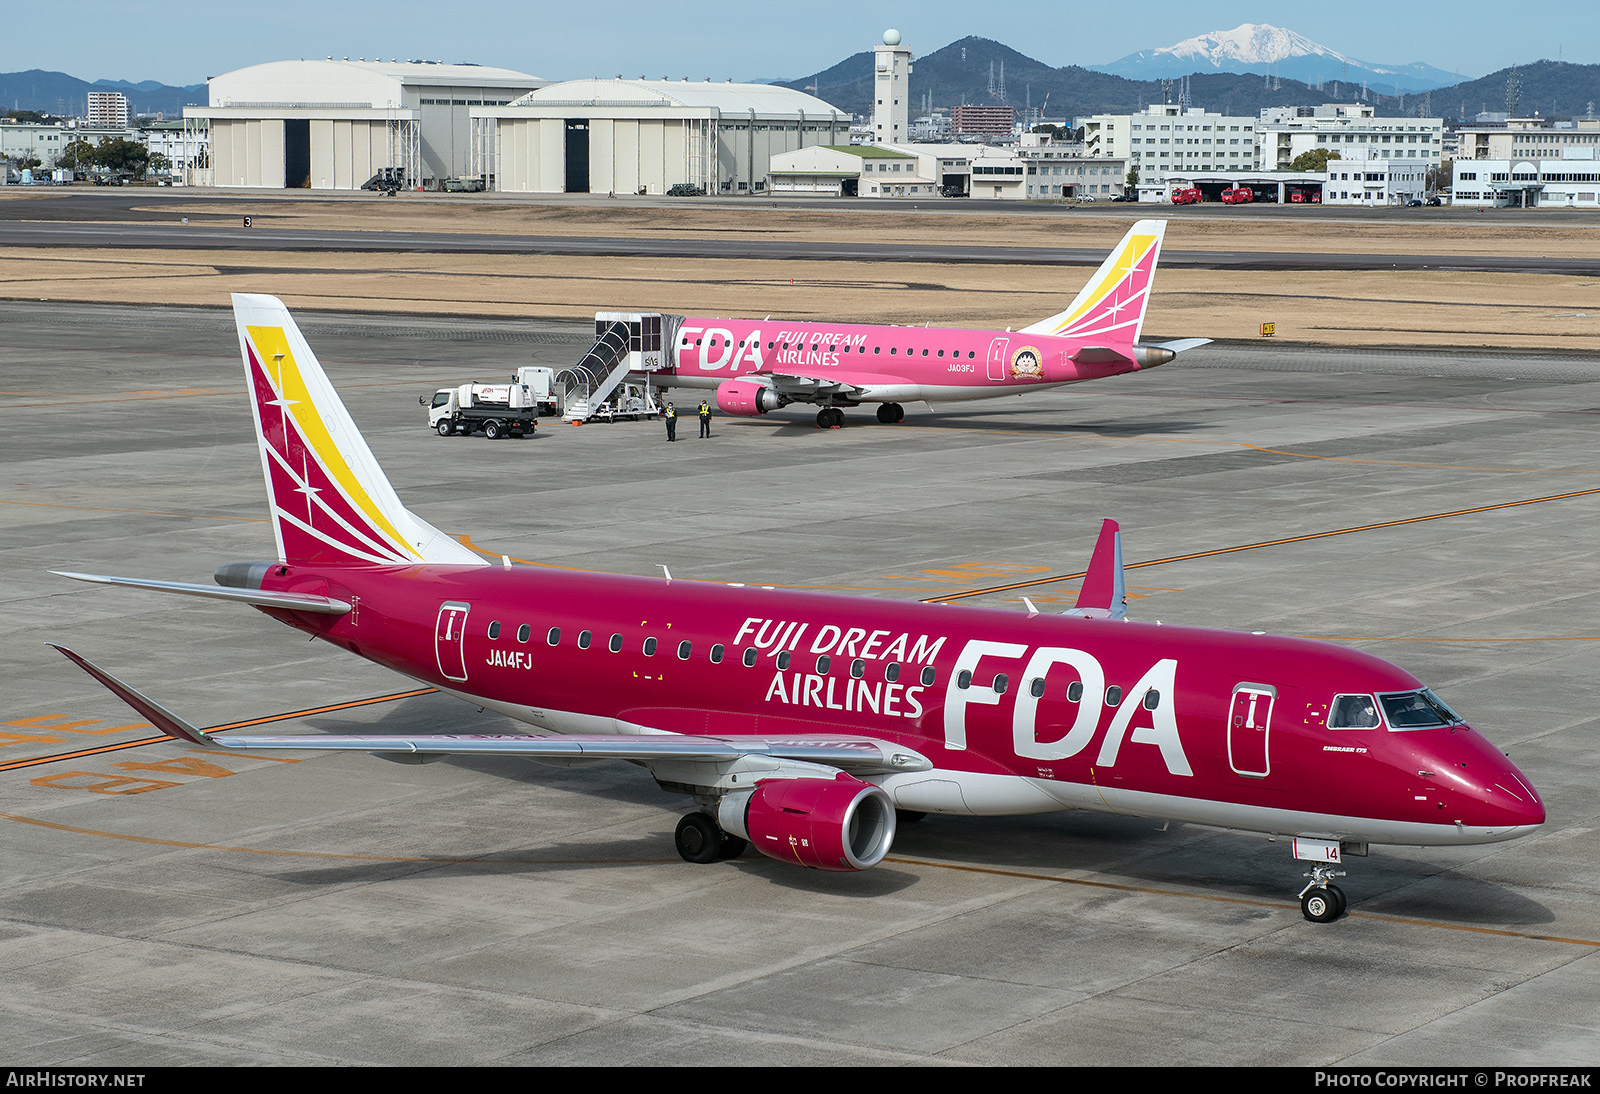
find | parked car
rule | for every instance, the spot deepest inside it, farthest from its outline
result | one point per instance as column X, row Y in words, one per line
column 1414, row 203
column 1435, row 201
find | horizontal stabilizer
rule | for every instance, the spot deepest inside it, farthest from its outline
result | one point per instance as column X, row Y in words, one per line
column 261, row 598
column 1101, row 355
column 1179, row 345
column 1104, row 594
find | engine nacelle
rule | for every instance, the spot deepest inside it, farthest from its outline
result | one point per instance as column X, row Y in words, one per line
column 838, row 824
column 747, row 397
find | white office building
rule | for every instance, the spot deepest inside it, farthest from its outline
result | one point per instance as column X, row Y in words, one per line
column 1283, row 134
column 1526, row 139
column 1164, row 139
column 1367, row 178
column 1570, row 181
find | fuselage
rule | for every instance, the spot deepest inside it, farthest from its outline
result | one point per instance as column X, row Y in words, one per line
column 1017, row 713
column 885, row 363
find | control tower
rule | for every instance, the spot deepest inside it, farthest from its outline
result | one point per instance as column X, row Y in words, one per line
column 891, row 87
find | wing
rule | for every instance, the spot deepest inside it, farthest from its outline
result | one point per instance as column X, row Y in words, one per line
column 857, row 755
column 804, row 386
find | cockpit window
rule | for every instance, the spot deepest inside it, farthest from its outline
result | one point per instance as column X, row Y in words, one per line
column 1417, row 710
column 1353, row 712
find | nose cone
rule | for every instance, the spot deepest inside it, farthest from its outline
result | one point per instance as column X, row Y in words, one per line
column 1493, row 800
column 1518, row 801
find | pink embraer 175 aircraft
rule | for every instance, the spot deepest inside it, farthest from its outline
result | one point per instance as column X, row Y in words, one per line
column 804, row 723
column 757, row 366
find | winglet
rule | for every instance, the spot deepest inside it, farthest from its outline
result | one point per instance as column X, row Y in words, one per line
column 1104, row 594
column 152, row 711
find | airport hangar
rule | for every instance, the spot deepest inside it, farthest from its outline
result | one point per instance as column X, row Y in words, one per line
column 646, row 136
column 333, row 124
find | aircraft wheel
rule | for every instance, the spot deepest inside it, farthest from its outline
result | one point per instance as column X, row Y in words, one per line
column 491, row 430
column 886, row 413
column 732, row 846
column 1321, row 905
column 824, row 418
column 1339, row 899
column 835, row 418
column 444, row 428
column 899, row 412
column 698, row 838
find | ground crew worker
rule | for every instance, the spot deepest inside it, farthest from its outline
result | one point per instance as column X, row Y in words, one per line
column 671, row 417
column 705, row 418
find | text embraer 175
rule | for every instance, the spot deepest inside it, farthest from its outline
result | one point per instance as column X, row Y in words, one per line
column 802, row 723
column 756, row 366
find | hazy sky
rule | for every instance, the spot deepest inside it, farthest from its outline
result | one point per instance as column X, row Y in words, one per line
column 185, row 41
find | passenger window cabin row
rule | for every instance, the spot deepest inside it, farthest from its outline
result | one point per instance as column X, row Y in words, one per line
column 894, row 351
column 858, row 666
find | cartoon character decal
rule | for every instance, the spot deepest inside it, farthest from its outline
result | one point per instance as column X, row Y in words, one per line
column 1026, row 364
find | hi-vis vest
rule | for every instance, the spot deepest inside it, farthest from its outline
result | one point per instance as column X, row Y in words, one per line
column 672, row 412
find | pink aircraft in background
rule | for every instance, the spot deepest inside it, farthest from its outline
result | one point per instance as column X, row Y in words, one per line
column 759, row 366
column 805, row 724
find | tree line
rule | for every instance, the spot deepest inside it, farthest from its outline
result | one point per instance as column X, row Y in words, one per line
column 113, row 154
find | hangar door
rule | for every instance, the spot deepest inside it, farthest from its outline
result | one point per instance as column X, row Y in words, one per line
column 577, row 149
column 296, row 153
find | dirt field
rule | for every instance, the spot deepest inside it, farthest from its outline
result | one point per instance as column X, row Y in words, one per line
column 1424, row 308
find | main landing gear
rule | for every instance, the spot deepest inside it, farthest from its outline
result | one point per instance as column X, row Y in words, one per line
column 1319, row 901
column 830, row 417
column 890, row 413
column 699, row 839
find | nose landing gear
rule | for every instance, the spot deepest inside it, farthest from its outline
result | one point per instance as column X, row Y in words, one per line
column 1321, row 902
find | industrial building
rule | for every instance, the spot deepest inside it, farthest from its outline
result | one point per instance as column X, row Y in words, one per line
column 333, row 124
column 858, row 170
column 647, row 136
column 1283, row 187
column 885, row 171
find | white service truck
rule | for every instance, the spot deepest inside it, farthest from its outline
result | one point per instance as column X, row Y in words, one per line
column 498, row 410
column 541, row 382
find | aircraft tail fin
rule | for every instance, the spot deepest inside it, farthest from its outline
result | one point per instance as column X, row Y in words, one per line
column 1111, row 306
column 1105, row 593
column 330, row 501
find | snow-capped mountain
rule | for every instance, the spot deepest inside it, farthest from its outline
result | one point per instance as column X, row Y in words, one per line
column 1262, row 48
